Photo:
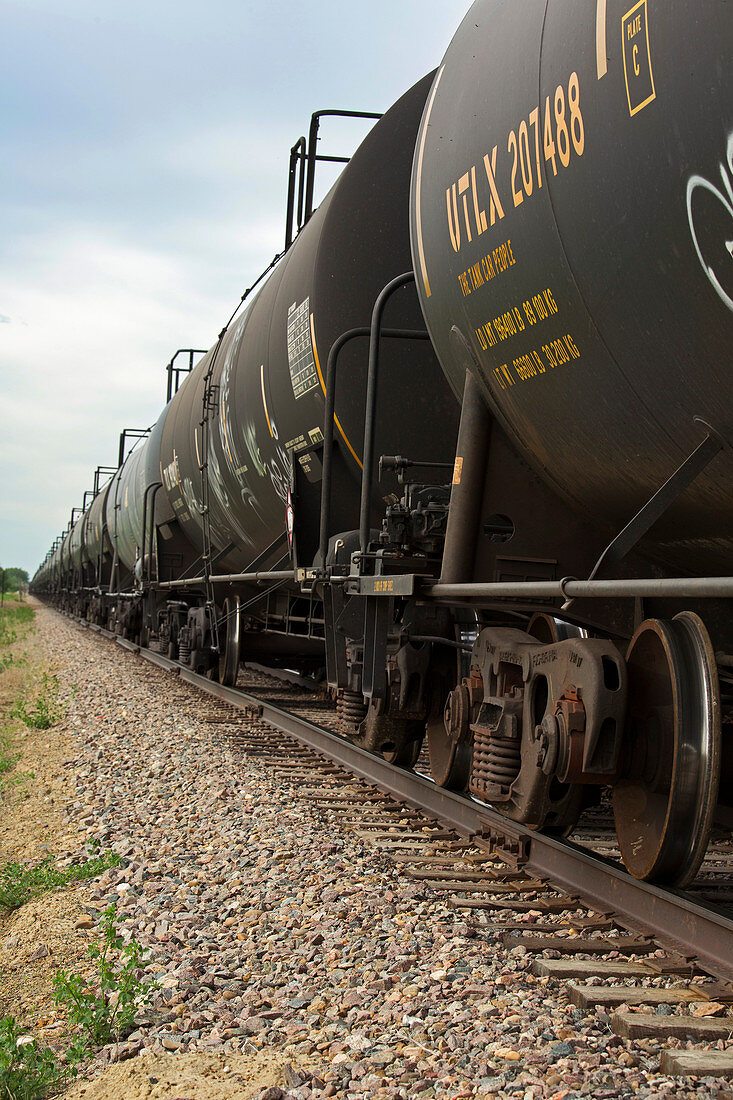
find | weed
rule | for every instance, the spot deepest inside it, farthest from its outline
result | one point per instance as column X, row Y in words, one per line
column 17, row 779
column 21, row 614
column 19, row 883
column 29, row 1071
column 14, row 618
column 11, row 660
column 7, row 759
column 109, row 1013
column 45, row 710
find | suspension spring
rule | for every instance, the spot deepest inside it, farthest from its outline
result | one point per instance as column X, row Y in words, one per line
column 351, row 710
column 496, row 763
column 184, row 645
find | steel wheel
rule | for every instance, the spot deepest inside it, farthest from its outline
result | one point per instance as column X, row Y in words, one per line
column 664, row 803
column 450, row 757
column 406, row 756
column 229, row 655
column 549, row 630
column 450, row 761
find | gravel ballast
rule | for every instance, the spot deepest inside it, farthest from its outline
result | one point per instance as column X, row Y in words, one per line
column 271, row 928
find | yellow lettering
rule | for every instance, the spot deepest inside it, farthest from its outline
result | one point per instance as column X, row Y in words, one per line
column 480, row 215
column 462, row 188
column 572, row 346
column 453, row 226
column 495, row 207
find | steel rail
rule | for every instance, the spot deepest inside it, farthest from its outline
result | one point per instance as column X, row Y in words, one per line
column 698, row 932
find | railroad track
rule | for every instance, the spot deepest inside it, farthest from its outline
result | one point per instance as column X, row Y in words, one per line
column 567, row 903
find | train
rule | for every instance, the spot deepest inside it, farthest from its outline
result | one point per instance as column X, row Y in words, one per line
column 464, row 453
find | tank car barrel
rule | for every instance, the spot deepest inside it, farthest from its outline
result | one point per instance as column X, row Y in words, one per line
column 571, row 225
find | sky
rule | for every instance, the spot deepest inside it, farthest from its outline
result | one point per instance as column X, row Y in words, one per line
column 144, row 150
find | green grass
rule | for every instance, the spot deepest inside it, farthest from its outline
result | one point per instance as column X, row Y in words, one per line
column 45, row 709
column 15, row 618
column 18, row 615
column 29, row 1071
column 109, row 1012
column 7, row 758
column 103, row 1009
column 11, row 660
column 20, row 882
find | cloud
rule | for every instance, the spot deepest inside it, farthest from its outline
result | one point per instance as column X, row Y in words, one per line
column 103, row 317
column 140, row 202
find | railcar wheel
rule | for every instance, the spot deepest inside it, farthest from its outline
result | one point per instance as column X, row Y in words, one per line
column 664, row 803
column 229, row 655
column 549, row 630
column 450, row 741
column 450, row 761
column 406, row 756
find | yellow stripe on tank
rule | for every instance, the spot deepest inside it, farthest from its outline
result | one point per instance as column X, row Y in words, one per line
column 264, row 399
column 336, row 420
column 418, row 185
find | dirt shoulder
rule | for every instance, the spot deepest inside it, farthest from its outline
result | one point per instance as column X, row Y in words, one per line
column 44, row 775
column 38, row 938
